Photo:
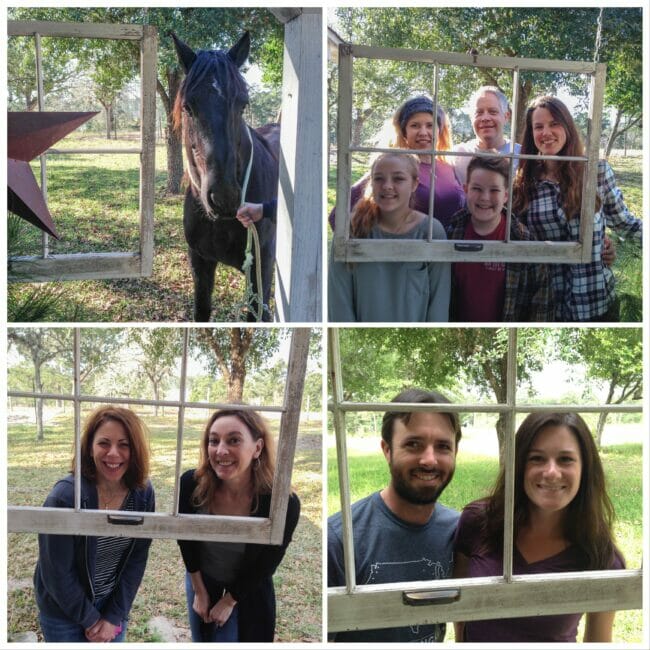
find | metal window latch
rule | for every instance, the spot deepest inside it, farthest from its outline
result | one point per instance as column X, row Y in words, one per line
column 125, row 520
column 465, row 248
column 430, row 597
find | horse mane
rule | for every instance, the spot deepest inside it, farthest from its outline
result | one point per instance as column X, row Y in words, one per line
column 222, row 66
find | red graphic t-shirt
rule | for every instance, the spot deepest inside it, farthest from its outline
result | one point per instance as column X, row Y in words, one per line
column 479, row 287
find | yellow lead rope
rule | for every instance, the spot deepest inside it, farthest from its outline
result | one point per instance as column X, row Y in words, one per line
column 251, row 237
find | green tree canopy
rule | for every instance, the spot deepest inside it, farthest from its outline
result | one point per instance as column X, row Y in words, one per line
column 540, row 33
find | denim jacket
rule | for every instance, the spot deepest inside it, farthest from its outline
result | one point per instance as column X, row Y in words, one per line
column 63, row 579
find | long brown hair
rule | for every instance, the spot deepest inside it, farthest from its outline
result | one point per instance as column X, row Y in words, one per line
column 366, row 213
column 207, row 481
column 138, row 471
column 590, row 515
column 570, row 173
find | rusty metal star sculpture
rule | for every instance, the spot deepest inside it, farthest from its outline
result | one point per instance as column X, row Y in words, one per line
column 28, row 136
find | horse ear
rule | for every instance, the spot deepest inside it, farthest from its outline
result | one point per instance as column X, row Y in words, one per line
column 239, row 51
column 186, row 55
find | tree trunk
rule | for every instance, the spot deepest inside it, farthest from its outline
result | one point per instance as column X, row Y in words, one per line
column 600, row 427
column 613, row 135
column 524, row 94
column 156, row 393
column 39, row 402
column 174, row 145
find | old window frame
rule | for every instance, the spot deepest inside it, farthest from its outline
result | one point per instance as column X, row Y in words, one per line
column 174, row 525
column 100, row 266
column 353, row 607
column 347, row 249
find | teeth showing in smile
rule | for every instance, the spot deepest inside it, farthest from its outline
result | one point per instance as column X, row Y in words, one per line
column 424, row 475
column 113, row 465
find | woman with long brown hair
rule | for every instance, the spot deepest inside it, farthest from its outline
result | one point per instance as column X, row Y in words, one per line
column 85, row 586
column 563, row 521
column 548, row 198
column 229, row 586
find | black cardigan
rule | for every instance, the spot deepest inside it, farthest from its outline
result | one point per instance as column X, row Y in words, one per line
column 253, row 589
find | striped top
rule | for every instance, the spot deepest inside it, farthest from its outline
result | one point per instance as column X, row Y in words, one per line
column 110, row 553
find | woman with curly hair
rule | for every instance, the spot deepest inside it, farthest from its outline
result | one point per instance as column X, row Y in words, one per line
column 229, row 586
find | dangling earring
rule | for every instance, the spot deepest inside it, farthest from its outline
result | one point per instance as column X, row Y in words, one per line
column 257, row 464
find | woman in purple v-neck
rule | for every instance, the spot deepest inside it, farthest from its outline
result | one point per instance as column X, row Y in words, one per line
column 560, row 526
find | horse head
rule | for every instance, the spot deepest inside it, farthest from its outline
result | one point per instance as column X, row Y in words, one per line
column 209, row 108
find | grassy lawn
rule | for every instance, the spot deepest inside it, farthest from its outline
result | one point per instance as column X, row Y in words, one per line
column 475, row 475
column 94, row 203
column 297, row 581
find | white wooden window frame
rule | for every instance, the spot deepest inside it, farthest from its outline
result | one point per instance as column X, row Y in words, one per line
column 355, row 607
column 100, row 266
column 174, row 525
column 347, row 249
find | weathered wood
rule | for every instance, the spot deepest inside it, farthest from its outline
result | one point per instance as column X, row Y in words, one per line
column 386, row 250
column 343, row 140
column 74, row 30
column 111, row 150
column 346, row 250
column 590, row 179
column 380, row 606
column 358, row 407
column 100, row 266
column 285, row 14
column 289, row 423
column 148, row 76
column 172, row 525
column 453, row 58
column 298, row 286
column 145, row 402
column 336, row 377
column 78, row 266
column 65, row 521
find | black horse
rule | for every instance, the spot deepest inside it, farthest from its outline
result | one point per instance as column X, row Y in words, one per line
column 209, row 108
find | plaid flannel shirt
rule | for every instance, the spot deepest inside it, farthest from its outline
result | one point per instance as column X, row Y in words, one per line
column 528, row 295
column 581, row 291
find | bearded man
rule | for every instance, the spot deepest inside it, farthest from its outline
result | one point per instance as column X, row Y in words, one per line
column 402, row 533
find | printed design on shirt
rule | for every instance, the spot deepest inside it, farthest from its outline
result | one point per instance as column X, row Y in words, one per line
column 409, row 571
column 494, row 266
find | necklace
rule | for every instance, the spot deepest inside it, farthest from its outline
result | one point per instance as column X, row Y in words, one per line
column 108, row 501
column 400, row 225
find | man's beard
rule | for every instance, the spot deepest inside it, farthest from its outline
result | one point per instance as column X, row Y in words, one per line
column 417, row 496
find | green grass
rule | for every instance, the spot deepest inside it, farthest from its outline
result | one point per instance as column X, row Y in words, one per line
column 94, row 203
column 30, row 477
column 475, row 475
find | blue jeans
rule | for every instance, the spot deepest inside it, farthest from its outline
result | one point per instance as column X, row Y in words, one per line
column 209, row 632
column 63, row 630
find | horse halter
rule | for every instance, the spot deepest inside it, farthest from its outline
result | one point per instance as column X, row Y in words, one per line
column 247, row 174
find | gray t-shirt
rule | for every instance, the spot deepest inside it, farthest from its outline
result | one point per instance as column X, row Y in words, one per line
column 388, row 549
column 408, row 292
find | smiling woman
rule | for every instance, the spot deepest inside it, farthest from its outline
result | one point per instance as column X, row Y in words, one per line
column 229, row 586
column 562, row 522
column 85, row 585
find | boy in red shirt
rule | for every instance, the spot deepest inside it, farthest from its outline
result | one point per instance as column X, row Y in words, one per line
column 494, row 291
